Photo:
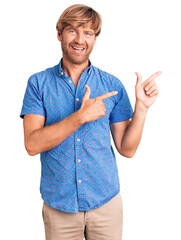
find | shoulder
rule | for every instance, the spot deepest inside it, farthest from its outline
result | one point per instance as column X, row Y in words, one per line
column 38, row 79
column 48, row 72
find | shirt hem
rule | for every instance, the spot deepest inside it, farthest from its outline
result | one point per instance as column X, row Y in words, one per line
column 117, row 119
column 49, row 203
column 81, row 208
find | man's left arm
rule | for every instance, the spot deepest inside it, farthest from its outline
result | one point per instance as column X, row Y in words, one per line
column 127, row 134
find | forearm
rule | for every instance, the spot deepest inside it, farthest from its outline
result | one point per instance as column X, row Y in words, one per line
column 133, row 133
column 48, row 137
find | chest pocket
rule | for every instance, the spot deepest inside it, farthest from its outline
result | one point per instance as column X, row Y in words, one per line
column 109, row 105
column 96, row 134
column 58, row 106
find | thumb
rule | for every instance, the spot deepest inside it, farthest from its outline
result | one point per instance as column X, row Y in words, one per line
column 87, row 93
column 139, row 78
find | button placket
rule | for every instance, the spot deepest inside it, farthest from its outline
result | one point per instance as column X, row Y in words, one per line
column 78, row 139
column 77, row 168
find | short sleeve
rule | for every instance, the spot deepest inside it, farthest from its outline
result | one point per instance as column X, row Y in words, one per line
column 32, row 102
column 122, row 110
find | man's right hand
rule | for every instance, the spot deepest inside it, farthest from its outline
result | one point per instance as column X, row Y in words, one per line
column 92, row 109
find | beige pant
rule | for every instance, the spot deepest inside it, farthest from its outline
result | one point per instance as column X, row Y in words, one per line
column 103, row 223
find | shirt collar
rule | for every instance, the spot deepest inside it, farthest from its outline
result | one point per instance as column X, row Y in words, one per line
column 62, row 73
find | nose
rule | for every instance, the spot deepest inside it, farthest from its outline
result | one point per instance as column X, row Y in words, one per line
column 79, row 38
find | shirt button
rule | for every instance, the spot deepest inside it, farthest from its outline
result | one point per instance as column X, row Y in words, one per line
column 80, row 181
column 79, row 160
column 77, row 99
column 78, row 139
column 70, row 81
column 61, row 73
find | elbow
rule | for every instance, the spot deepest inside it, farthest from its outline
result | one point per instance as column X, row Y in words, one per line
column 127, row 151
column 127, row 154
column 31, row 153
column 30, row 150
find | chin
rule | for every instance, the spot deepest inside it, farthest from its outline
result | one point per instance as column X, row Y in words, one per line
column 78, row 61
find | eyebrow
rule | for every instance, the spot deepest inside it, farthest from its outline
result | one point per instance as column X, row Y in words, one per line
column 72, row 27
column 89, row 31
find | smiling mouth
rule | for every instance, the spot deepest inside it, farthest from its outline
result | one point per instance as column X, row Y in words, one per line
column 78, row 50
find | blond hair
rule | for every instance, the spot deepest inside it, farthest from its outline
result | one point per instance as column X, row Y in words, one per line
column 80, row 15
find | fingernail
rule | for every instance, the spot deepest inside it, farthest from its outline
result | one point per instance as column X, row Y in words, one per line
column 116, row 92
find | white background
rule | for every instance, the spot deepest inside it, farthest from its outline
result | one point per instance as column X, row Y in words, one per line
column 141, row 36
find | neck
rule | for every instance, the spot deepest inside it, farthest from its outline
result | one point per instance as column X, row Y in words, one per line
column 74, row 70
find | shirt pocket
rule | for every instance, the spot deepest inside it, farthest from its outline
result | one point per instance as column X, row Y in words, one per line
column 109, row 104
column 96, row 134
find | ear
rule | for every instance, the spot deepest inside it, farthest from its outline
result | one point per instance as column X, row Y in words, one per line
column 59, row 36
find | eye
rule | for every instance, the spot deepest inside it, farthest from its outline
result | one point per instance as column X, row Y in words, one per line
column 88, row 34
column 72, row 31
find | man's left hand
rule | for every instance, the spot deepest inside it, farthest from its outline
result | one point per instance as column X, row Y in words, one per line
column 147, row 91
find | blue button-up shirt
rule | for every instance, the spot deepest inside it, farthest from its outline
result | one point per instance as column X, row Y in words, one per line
column 80, row 173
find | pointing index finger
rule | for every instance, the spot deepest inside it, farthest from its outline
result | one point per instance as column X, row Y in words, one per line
column 107, row 95
column 153, row 76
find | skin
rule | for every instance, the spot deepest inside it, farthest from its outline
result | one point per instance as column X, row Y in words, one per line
column 74, row 62
column 126, row 134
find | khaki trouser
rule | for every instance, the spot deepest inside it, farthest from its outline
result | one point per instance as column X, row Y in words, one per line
column 103, row 223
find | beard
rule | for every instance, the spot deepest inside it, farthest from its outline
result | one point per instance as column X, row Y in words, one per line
column 75, row 58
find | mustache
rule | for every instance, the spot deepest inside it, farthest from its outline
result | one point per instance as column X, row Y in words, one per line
column 78, row 46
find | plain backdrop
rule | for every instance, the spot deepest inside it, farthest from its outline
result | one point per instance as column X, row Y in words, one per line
column 137, row 35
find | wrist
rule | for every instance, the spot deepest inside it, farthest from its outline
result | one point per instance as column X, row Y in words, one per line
column 81, row 117
column 139, row 106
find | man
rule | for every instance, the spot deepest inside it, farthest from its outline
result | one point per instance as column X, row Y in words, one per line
column 69, row 111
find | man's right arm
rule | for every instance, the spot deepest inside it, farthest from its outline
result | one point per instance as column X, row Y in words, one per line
column 40, row 139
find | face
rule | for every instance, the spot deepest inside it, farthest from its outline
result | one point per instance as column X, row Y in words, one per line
column 77, row 43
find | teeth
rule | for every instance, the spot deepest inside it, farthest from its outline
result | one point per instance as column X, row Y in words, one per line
column 78, row 48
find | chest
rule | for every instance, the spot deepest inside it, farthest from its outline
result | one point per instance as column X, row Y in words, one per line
column 61, row 100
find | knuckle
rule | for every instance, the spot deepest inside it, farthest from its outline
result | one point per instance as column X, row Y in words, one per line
column 148, row 84
column 151, row 84
column 155, row 92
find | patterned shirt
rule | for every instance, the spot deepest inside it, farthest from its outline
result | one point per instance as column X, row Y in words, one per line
column 79, row 174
